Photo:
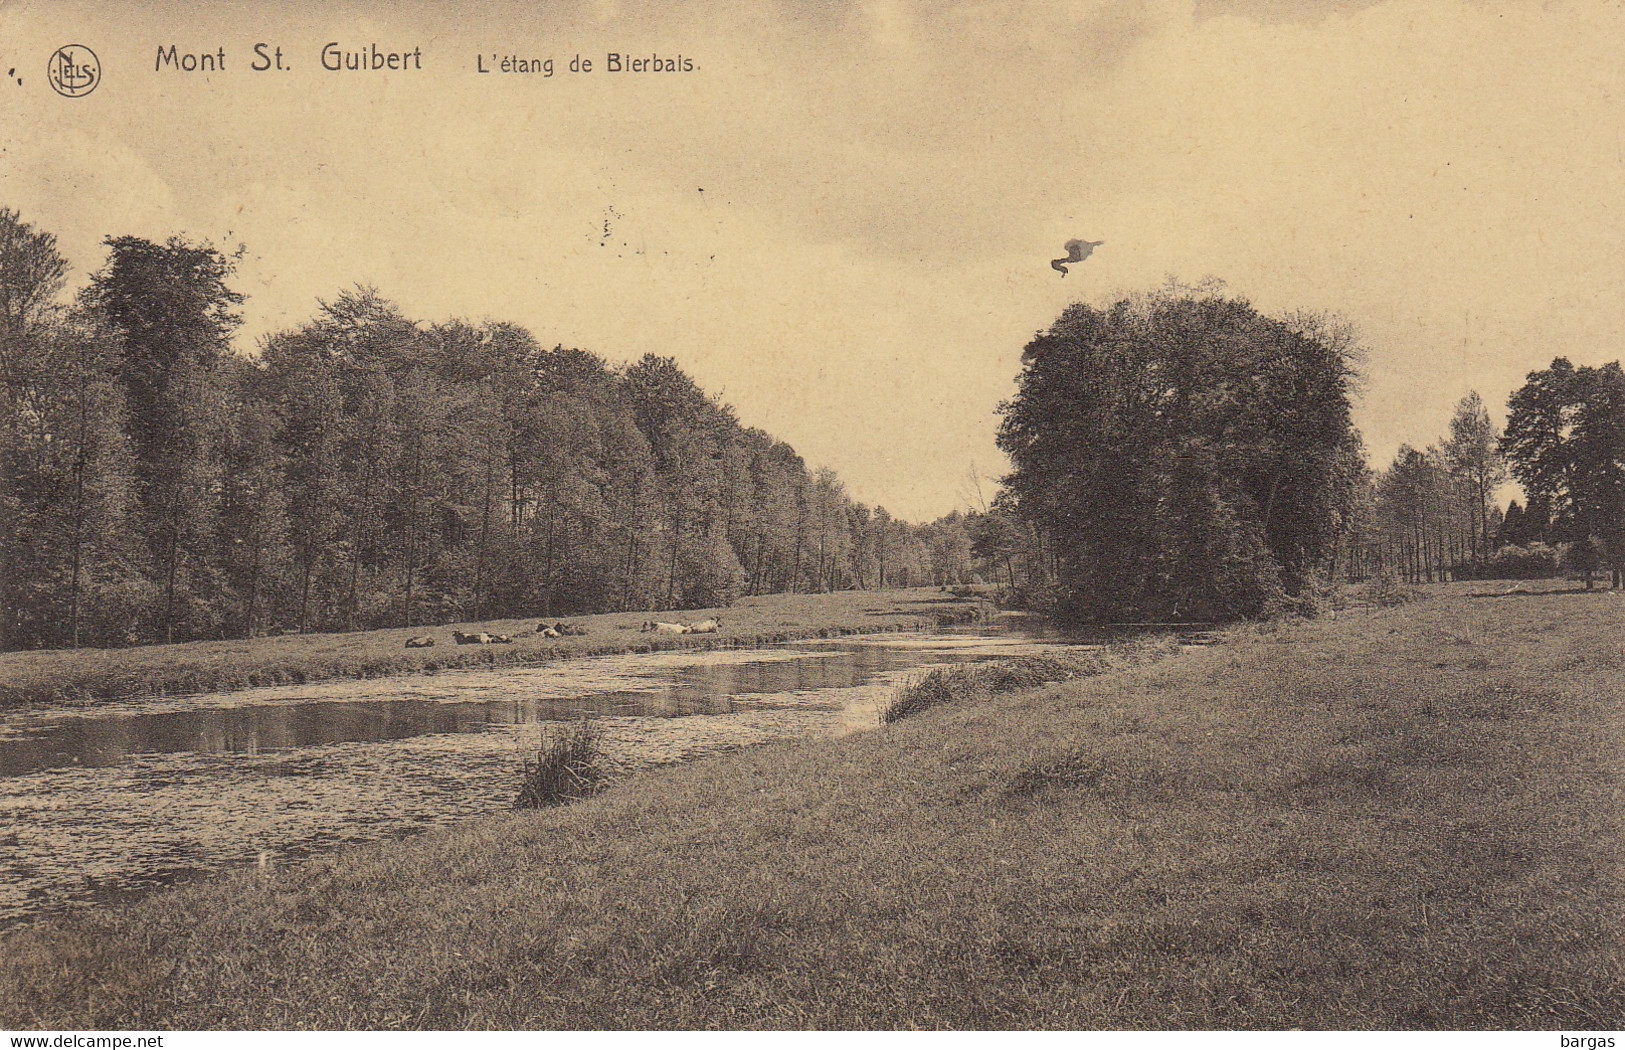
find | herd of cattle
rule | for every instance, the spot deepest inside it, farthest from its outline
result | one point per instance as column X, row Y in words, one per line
column 563, row 630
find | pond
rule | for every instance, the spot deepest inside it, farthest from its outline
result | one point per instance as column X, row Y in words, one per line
column 106, row 802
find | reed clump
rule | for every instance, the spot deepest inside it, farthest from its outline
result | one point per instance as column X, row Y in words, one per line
column 566, row 770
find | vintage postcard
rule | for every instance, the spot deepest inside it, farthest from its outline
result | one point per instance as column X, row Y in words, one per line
column 609, row 515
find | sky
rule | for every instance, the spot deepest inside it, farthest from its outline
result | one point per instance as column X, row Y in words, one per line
column 840, row 220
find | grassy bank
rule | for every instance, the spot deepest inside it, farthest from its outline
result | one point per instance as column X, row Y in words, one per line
column 1406, row 818
column 87, row 675
column 981, row 681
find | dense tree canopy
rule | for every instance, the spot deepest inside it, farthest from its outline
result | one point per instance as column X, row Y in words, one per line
column 1184, row 455
column 367, row 469
column 1565, row 440
column 170, row 309
column 70, row 564
column 1174, row 456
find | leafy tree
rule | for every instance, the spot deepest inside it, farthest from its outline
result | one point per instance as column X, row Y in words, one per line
column 32, row 274
column 1598, row 480
column 949, row 547
column 688, row 435
column 255, row 553
column 778, row 476
column 1188, row 456
column 174, row 313
column 1565, row 441
column 997, row 538
column 1413, row 495
column 1474, row 456
column 69, row 549
column 72, row 570
column 833, row 522
column 1539, row 421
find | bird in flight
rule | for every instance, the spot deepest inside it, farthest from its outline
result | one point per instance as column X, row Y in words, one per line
column 1076, row 252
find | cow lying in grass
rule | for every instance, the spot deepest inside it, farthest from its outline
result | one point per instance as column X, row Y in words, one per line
column 480, row 638
column 703, row 627
column 421, row 641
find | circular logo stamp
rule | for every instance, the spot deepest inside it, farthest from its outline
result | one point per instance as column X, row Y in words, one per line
column 73, row 71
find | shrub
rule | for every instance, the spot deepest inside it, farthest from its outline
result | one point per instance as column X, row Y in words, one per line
column 1316, row 597
column 566, row 770
column 938, row 686
column 1386, row 590
column 1533, row 562
column 1041, row 596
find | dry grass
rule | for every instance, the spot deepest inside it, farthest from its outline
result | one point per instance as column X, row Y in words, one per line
column 1404, row 818
column 88, row 675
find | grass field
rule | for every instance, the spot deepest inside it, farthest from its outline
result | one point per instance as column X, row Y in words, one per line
column 1406, row 818
column 87, row 675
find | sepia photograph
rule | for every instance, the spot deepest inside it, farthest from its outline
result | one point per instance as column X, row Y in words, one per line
column 811, row 515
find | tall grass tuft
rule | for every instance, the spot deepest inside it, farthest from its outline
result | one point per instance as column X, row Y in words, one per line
column 944, row 684
column 566, row 770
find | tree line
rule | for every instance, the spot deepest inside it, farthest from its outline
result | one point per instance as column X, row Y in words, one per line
column 1432, row 514
column 1176, row 455
column 365, row 469
column 1180, row 456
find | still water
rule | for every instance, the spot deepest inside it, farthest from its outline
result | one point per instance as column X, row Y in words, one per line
column 106, row 802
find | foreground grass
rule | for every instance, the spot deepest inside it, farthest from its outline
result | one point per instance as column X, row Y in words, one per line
column 1404, row 819
column 87, row 675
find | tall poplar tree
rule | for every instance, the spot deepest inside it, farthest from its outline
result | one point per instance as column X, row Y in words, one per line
column 174, row 312
column 1473, row 452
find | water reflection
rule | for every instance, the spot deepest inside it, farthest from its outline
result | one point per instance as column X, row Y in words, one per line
column 102, row 803
column 95, row 739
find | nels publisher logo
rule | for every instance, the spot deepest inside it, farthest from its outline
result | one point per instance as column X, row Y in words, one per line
column 73, row 71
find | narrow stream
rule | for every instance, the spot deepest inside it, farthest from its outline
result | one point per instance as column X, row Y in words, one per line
column 107, row 802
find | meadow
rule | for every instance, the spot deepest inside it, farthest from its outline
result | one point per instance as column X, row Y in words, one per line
column 88, row 675
column 1406, row 817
